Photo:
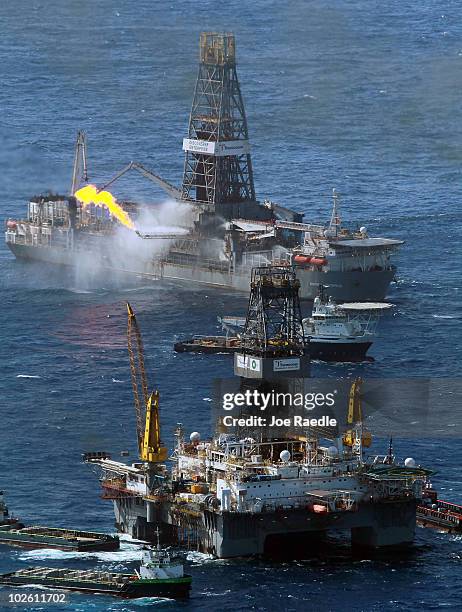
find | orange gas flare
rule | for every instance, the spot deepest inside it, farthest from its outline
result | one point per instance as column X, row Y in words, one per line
column 90, row 195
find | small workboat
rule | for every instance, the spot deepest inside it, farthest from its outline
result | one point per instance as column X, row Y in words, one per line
column 159, row 575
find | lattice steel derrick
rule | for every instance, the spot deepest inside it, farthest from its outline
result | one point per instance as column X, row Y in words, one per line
column 274, row 321
column 218, row 166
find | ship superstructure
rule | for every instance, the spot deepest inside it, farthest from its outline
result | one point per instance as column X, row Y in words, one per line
column 342, row 332
column 247, row 489
column 227, row 231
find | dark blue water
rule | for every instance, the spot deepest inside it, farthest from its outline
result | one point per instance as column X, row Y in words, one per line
column 361, row 96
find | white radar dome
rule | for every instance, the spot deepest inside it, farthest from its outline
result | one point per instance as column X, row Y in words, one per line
column 363, row 229
column 332, row 451
column 409, row 462
column 195, row 437
column 284, row 456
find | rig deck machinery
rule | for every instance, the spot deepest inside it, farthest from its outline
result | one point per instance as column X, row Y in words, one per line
column 253, row 490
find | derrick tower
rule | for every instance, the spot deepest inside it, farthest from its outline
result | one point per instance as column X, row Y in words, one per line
column 274, row 322
column 275, row 356
column 274, row 341
column 218, row 166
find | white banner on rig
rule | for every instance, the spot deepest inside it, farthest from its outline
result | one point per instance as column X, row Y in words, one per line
column 284, row 365
column 218, row 149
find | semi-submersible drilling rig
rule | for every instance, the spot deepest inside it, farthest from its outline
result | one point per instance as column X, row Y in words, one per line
column 229, row 230
column 250, row 488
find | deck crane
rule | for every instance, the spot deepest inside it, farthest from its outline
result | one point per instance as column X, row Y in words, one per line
column 356, row 437
column 146, row 404
column 170, row 189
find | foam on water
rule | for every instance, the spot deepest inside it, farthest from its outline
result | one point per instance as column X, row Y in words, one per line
column 128, row 552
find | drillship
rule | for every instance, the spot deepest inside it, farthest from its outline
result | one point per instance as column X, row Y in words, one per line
column 228, row 230
column 256, row 488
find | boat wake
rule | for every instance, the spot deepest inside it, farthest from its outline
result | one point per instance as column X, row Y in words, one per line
column 198, row 558
column 129, row 551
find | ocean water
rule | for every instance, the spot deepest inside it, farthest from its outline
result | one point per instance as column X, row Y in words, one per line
column 360, row 96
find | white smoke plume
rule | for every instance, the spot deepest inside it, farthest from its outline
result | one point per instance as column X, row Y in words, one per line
column 109, row 258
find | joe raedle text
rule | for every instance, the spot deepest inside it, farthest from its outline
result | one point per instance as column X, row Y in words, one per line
column 274, row 421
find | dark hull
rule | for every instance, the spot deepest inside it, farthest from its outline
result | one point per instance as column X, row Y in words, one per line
column 324, row 351
column 32, row 544
column 350, row 286
column 59, row 539
column 437, row 520
column 286, row 532
column 188, row 346
column 175, row 588
column 339, row 351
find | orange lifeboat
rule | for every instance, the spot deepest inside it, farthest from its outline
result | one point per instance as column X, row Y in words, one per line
column 10, row 224
column 302, row 259
column 318, row 261
column 319, row 509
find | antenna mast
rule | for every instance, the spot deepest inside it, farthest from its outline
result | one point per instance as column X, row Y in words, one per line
column 335, row 221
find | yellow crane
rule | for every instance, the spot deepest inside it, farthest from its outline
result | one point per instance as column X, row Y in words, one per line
column 355, row 417
column 146, row 405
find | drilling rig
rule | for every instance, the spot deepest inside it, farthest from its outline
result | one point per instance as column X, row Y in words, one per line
column 259, row 491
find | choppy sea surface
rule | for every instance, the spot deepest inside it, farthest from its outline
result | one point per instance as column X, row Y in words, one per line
column 360, row 96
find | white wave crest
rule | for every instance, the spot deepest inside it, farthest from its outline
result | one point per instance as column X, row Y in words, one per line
column 27, row 376
column 129, row 551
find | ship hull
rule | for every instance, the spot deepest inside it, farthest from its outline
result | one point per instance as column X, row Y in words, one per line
column 33, row 544
column 349, row 286
column 172, row 588
column 59, row 539
column 322, row 351
column 232, row 534
column 339, row 351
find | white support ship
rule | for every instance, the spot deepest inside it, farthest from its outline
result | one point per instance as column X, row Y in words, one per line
column 342, row 332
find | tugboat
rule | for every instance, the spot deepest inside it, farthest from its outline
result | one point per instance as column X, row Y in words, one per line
column 160, row 575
